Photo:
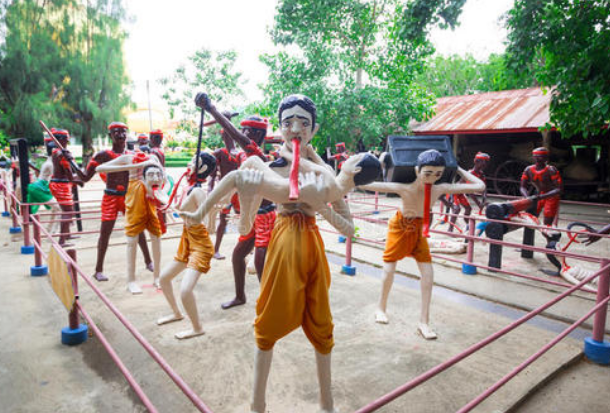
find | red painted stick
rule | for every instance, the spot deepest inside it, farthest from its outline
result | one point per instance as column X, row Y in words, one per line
column 426, row 220
column 294, row 170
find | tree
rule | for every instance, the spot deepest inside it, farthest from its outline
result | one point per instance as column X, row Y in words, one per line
column 206, row 71
column 357, row 60
column 62, row 62
column 456, row 75
column 564, row 43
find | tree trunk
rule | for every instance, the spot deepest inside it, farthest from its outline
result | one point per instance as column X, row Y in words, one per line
column 87, row 141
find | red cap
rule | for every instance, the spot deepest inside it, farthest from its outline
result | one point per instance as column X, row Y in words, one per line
column 340, row 145
column 482, row 155
column 60, row 132
column 256, row 124
column 142, row 137
column 540, row 151
column 117, row 125
column 157, row 132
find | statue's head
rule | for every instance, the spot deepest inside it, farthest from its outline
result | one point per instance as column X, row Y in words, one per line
column 363, row 167
column 297, row 116
column 481, row 159
column 255, row 128
column 62, row 136
column 205, row 166
column 430, row 166
column 541, row 155
column 156, row 137
column 118, row 134
column 153, row 176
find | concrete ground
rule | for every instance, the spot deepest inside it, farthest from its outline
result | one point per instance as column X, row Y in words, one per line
column 369, row 360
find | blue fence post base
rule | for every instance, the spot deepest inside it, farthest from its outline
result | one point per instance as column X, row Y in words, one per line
column 6, row 214
column 39, row 271
column 597, row 351
column 375, row 212
column 71, row 337
column 14, row 230
column 348, row 270
column 342, row 239
column 469, row 269
column 27, row 249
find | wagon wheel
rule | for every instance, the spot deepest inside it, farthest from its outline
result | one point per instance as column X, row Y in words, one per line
column 508, row 178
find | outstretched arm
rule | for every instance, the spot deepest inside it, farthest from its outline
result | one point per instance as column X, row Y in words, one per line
column 222, row 189
column 125, row 163
column 473, row 185
column 392, row 187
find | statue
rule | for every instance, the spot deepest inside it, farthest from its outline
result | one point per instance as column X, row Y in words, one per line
column 249, row 138
column 194, row 252
column 547, row 181
column 146, row 176
column 113, row 201
column 296, row 277
column 405, row 236
column 39, row 192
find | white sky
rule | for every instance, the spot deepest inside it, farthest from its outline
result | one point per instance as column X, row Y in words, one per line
column 164, row 33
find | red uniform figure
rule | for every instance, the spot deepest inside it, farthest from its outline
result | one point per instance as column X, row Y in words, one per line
column 226, row 161
column 62, row 181
column 249, row 138
column 113, row 201
column 481, row 161
column 547, row 181
column 341, row 156
column 156, row 142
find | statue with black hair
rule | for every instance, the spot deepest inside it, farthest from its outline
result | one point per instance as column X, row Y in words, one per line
column 296, row 277
column 39, row 192
column 250, row 137
column 194, row 253
column 407, row 230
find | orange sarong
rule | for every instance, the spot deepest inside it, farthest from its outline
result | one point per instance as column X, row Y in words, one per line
column 195, row 248
column 405, row 239
column 140, row 212
column 294, row 285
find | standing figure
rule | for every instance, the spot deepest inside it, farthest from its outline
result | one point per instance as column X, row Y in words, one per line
column 143, row 143
column 341, row 156
column 156, row 148
column 547, row 181
column 62, row 181
column 39, row 192
column 226, row 161
column 481, row 160
column 296, row 277
column 140, row 208
column 249, row 138
column 194, row 252
column 113, row 201
column 405, row 237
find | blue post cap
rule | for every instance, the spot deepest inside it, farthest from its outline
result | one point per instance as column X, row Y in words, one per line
column 37, row 271
column 375, row 212
column 6, row 214
column 14, row 230
column 71, row 337
column 342, row 239
column 469, row 269
column 348, row 270
column 27, row 249
column 597, row 351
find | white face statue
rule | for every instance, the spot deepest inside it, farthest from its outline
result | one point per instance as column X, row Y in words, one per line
column 296, row 123
column 154, row 177
column 430, row 174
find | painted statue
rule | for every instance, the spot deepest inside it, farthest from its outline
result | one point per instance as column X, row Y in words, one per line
column 547, row 181
column 39, row 191
column 405, row 237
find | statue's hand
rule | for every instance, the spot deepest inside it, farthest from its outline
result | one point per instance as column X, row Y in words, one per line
column 202, row 100
column 313, row 190
column 248, row 182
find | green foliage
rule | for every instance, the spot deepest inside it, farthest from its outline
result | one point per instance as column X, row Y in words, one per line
column 62, row 62
column 564, row 43
column 457, row 75
column 206, row 71
column 357, row 60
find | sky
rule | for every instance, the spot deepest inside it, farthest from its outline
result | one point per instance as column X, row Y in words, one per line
column 162, row 34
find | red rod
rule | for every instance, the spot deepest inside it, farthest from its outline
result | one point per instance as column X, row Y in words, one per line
column 294, row 170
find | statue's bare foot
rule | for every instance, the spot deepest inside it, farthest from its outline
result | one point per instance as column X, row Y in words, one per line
column 150, row 267
column 169, row 319
column 426, row 331
column 251, row 267
column 189, row 334
column 134, row 288
column 157, row 284
column 381, row 317
column 100, row 276
column 218, row 256
column 233, row 303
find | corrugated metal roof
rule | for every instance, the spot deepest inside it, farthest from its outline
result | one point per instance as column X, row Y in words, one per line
column 521, row 110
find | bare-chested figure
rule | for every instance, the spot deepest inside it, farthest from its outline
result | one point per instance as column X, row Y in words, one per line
column 547, row 181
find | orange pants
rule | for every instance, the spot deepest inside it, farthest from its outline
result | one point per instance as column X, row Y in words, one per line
column 549, row 205
column 294, row 286
column 195, row 248
column 141, row 212
column 406, row 240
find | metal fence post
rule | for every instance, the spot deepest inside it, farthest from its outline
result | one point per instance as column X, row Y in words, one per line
column 596, row 349
column 348, row 268
column 75, row 333
column 38, row 269
column 470, row 269
column 27, row 247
